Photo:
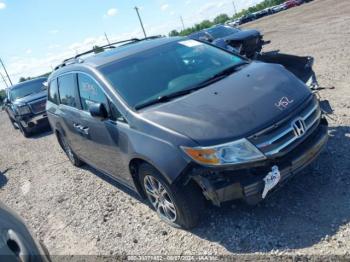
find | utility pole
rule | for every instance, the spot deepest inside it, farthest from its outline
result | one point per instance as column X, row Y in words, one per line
column 182, row 22
column 234, row 7
column 3, row 78
column 138, row 14
column 6, row 72
column 109, row 43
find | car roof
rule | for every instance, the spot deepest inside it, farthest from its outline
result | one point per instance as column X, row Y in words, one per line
column 19, row 85
column 124, row 51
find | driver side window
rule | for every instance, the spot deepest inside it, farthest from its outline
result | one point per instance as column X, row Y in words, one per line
column 90, row 92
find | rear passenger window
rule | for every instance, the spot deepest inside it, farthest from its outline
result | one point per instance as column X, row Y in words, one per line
column 66, row 87
column 53, row 92
column 90, row 92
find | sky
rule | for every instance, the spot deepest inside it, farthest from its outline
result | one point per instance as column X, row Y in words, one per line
column 36, row 35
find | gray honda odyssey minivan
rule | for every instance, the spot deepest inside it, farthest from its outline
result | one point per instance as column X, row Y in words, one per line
column 182, row 122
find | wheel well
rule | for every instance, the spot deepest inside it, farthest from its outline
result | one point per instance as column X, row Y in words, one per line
column 58, row 134
column 134, row 166
column 134, row 169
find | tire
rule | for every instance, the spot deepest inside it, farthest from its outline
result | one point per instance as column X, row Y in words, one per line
column 179, row 206
column 73, row 158
column 25, row 132
column 14, row 124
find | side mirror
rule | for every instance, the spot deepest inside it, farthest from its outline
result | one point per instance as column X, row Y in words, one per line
column 98, row 110
column 45, row 84
column 6, row 101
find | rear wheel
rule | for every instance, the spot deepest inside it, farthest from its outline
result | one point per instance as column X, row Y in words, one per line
column 179, row 206
column 73, row 158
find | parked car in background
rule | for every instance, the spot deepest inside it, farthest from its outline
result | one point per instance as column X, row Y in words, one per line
column 292, row 3
column 247, row 18
column 180, row 121
column 246, row 42
column 25, row 105
column 262, row 13
column 233, row 23
column 279, row 8
column 16, row 241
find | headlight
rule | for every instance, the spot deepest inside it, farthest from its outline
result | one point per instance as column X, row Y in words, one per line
column 237, row 152
column 22, row 110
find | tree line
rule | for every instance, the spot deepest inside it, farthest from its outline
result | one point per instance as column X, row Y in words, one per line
column 222, row 18
column 2, row 96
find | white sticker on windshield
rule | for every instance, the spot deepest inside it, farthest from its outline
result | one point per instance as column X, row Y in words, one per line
column 190, row 43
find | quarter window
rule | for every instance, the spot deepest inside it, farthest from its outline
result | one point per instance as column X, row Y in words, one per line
column 66, row 86
column 53, row 92
column 90, row 92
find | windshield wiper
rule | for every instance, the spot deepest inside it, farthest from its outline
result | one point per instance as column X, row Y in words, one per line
column 228, row 71
column 214, row 78
column 162, row 99
column 218, row 76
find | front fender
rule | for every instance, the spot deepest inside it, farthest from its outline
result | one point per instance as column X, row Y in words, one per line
column 166, row 157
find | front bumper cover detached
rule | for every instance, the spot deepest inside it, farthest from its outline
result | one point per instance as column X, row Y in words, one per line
column 221, row 185
column 32, row 120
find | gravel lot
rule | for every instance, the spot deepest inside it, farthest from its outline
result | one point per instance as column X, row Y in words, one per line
column 79, row 211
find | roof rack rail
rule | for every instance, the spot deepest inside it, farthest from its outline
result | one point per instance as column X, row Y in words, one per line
column 74, row 59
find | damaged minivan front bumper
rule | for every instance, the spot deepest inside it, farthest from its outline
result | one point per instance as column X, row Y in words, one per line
column 248, row 182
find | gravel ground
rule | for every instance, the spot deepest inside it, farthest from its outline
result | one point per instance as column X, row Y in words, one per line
column 79, row 211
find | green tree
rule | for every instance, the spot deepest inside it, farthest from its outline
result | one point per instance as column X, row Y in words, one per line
column 221, row 19
column 174, row 33
column 203, row 25
column 97, row 49
column 2, row 96
column 23, row 79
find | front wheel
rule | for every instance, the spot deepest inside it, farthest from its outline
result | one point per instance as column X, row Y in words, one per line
column 25, row 132
column 177, row 206
column 14, row 123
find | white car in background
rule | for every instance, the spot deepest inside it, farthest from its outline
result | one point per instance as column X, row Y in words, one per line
column 234, row 23
column 279, row 8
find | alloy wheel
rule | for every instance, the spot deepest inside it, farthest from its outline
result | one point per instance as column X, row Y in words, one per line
column 160, row 198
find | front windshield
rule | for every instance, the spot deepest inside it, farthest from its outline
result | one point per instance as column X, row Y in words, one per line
column 26, row 89
column 221, row 31
column 166, row 69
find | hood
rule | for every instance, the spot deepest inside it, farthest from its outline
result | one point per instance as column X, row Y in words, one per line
column 31, row 98
column 242, row 35
column 235, row 107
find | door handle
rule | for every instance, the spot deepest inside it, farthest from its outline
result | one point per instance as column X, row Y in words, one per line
column 76, row 126
column 82, row 129
column 85, row 130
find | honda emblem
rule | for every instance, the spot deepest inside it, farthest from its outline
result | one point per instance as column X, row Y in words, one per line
column 299, row 127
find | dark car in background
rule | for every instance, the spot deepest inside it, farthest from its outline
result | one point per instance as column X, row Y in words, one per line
column 180, row 121
column 25, row 105
column 247, row 18
column 16, row 241
column 246, row 42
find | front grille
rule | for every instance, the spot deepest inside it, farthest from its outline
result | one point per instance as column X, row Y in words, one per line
column 280, row 139
column 38, row 106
